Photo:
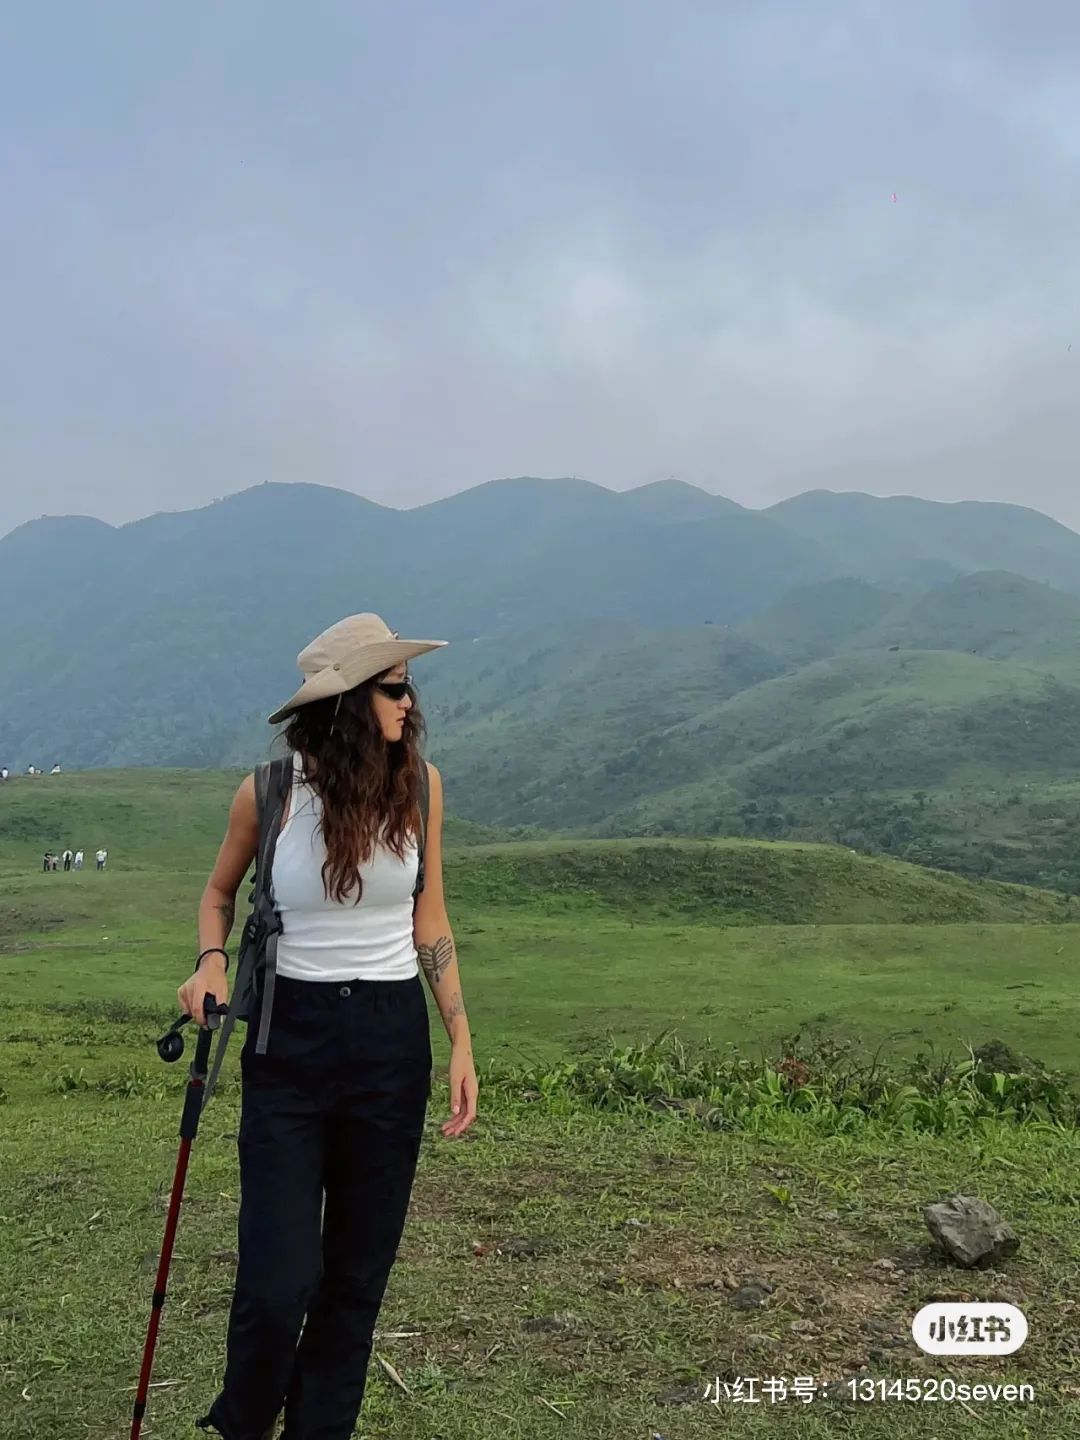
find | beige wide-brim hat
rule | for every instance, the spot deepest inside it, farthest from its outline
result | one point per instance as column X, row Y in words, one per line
column 347, row 654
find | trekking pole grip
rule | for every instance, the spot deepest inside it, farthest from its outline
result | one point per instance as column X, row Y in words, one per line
column 189, row 1120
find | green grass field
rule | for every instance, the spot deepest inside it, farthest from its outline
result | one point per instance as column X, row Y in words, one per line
column 620, row 1312
column 552, row 961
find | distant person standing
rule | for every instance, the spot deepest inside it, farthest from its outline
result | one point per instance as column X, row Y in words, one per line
column 68, row 858
column 78, row 859
column 101, row 857
column 4, row 772
column 46, row 863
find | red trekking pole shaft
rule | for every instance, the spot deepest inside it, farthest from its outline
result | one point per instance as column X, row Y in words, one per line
column 189, row 1128
column 160, row 1283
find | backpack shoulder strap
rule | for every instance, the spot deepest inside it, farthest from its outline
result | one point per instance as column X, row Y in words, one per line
column 262, row 789
column 278, row 779
column 425, row 803
column 272, row 779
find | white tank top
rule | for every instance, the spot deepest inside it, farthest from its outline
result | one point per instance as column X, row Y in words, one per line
column 325, row 939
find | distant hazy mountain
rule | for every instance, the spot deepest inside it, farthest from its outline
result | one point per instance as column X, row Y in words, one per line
column 674, row 500
column 904, row 542
column 161, row 640
column 590, row 628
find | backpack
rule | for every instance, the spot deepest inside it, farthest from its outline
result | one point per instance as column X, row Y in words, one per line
column 256, row 963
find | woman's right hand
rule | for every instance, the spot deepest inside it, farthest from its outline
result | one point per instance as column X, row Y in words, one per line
column 208, row 979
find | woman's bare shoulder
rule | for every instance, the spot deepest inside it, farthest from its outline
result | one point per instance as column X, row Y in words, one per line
column 243, row 802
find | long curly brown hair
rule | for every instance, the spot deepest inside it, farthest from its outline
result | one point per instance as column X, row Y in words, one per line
column 369, row 786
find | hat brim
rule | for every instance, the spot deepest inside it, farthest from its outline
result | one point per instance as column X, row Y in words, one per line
column 337, row 679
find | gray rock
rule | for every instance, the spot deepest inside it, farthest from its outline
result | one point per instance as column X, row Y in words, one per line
column 970, row 1231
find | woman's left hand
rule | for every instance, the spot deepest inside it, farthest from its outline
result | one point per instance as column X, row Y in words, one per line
column 463, row 1092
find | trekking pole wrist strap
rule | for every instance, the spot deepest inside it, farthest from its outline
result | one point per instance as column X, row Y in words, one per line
column 213, row 950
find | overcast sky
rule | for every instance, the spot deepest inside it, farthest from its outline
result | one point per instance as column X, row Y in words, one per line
column 406, row 247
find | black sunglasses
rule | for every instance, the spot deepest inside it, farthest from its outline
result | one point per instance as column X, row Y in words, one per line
column 396, row 689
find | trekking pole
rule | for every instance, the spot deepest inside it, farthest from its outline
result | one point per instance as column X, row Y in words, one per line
column 171, row 1047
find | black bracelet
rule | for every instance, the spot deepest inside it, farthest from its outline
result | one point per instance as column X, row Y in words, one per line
column 214, row 950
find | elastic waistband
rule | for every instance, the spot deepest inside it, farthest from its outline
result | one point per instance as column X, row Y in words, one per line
column 285, row 983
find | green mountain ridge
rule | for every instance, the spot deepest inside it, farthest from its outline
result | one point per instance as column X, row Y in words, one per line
column 657, row 660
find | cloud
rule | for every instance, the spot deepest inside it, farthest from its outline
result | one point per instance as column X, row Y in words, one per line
column 405, row 253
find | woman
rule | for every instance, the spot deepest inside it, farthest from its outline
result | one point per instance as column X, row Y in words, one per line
column 333, row 1112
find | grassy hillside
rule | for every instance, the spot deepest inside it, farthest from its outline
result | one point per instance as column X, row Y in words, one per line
column 736, row 882
column 835, row 751
column 562, row 973
column 726, row 940
column 994, row 614
column 815, row 621
column 518, row 721
column 872, row 721
column 172, row 822
column 144, row 818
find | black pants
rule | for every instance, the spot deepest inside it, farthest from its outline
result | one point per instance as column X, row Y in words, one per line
column 334, row 1109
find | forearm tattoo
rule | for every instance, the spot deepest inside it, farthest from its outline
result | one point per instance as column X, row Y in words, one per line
column 457, row 1007
column 227, row 911
column 436, row 958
